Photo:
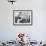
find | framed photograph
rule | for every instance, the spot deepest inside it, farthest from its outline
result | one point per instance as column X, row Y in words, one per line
column 22, row 17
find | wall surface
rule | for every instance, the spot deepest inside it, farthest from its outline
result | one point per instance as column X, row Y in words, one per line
column 38, row 29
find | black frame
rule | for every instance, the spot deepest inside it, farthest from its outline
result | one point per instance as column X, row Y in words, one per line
column 24, row 24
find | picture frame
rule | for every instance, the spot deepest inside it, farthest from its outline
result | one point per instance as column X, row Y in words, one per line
column 22, row 17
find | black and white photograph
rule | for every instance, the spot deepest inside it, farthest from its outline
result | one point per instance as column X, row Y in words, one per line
column 22, row 17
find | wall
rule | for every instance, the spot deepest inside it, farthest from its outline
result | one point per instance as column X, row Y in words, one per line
column 38, row 30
